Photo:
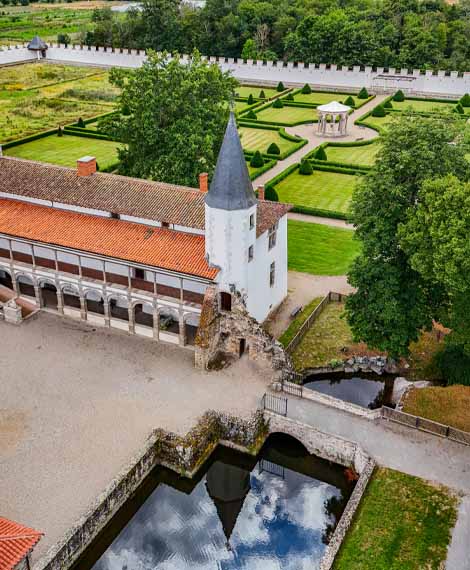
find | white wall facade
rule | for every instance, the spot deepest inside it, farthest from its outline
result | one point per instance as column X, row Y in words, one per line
column 430, row 83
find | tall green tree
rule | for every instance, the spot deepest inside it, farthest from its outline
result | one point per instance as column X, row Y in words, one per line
column 394, row 301
column 172, row 118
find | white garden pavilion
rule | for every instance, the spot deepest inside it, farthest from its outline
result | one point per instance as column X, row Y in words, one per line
column 333, row 119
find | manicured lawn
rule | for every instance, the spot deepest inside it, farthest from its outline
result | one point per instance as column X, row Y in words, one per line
column 254, row 172
column 322, row 98
column 65, row 150
column 287, row 115
column 402, row 523
column 247, row 90
column 260, row 139
column 381, row 122
column 448, row 406
column 360, row 155
column 423, row 106
column 241, row 106
column 320, row 249
column 323, row 190
column 295, row 325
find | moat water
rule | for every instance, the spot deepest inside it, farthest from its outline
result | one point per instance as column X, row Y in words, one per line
column 273, row 512
column 371, row 391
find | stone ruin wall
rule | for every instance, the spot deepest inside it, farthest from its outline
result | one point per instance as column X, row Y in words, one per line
column 219, row 334
column 330, row 77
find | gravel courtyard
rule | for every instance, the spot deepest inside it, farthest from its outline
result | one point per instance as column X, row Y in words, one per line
column 77, row 402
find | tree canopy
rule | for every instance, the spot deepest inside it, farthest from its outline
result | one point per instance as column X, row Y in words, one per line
column 395, row 33
column 172, row 118
column 400, row 286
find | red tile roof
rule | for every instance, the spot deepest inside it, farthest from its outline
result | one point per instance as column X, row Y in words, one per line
column 127, row 241
column 16, row 541
column 158, row 201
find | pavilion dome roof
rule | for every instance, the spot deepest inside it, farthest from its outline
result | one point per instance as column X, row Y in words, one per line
column 231, row 187
column 37, row 44
column 333, row 107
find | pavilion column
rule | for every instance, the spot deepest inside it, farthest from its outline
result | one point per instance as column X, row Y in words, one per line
column 182, row 329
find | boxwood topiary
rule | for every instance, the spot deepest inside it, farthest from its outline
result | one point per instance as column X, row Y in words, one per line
column 274, row 149
column 280, row 86
column 60, row 132
column 306, row 90
column 379, row 111
column 278, row 104
column 320, row 153
column 250, row 99
column 290, row 97
column 251, row 114
column 81, row 123
column 257, row 160
column 388, row 104
column 363, row 94
column 305, row 167
column 399, row 96
column 349, row 101
column 271, row 194
column 262, row 94
column 465, row 100
column 459, row 109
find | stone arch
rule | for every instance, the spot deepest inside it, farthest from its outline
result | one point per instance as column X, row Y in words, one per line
column 70, row 295
column 143, row 313
column 118, row 307
column 290, row 442
column 168, row 319
column 6, row 279
column 25, row 284
column 94, row 302
column 48, row 294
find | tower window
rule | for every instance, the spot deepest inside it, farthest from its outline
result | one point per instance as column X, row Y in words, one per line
column 272, row 235
column 139, row 273
column 252, row 221
column 251, row 253
column 272, row 274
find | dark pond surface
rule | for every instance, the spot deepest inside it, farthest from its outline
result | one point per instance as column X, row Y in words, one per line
column 275, row 512
column 370, row 391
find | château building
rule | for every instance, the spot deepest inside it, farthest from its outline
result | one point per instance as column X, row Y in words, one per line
column 139, row 255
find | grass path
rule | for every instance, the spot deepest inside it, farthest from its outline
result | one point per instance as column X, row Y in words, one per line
column 287, row 115
column 260, row 139
column 359, row 155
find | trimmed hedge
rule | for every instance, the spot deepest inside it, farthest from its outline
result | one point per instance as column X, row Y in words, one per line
column 399, row 96
column 306, row 89
column 305, row 167
column 278, row 104
column 334, row 214
column 251, row 114
column 273, row 149
column 290, row 97
column 28, row 139
column 280, row 87
column 388, row 104
column 352, row 168
column 363, row 94
column 267, row 166
column 262, row 94
column 257, row 160
column 379, row 111
column 85, row 133
column 320, row 153
column 250, row 100
column 349, row 101
column 465, row 100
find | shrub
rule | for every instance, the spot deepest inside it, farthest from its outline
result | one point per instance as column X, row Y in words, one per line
column 81, row 123
column 271, row 194
column 60, row 132
column 274, row 149
column 320, row 153
column 290, row 97
column 465, row 100
column 379, row 111
column 278, row 104
column 388, row 104
column 250, row 99
column 454, row 365
column 399, row 96
column 262, row 94
column 349, row 101
column 280, row 86
column 459, row 109
column 251, row 114
column 257, row 160
column 363, row 94
column 306, row 90
column 305, row 167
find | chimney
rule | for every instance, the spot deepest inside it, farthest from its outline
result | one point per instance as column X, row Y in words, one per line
column 260, row 192
column 86, row 166
column 203, row 182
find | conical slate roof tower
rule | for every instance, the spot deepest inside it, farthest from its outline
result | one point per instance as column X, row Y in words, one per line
column 231, row 187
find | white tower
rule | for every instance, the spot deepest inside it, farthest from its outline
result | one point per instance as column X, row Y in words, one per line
column 230, row 215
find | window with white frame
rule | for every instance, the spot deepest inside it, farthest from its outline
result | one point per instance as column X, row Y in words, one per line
column 251, row 253
column 272, row 274
column 272, row 235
